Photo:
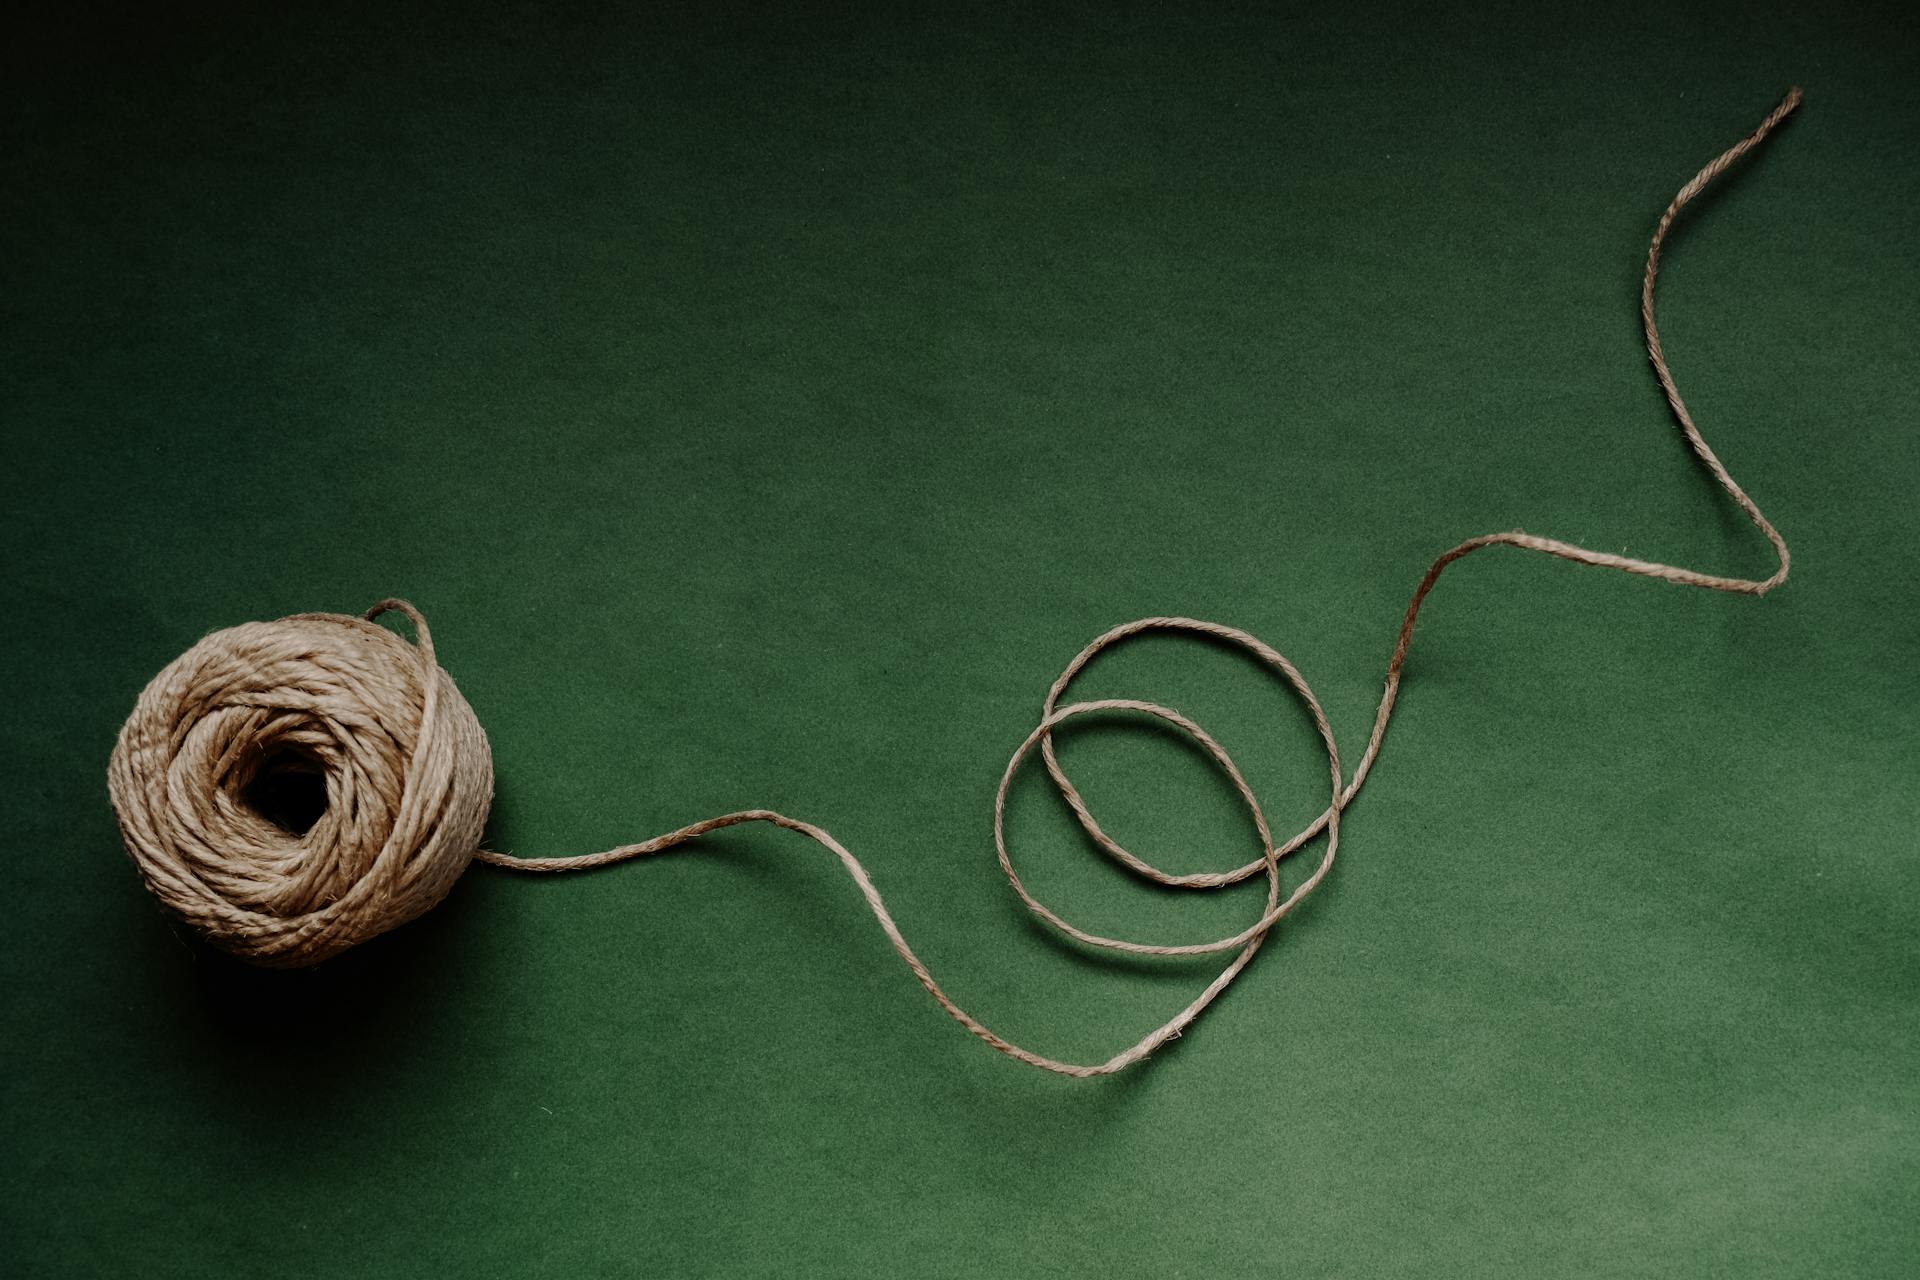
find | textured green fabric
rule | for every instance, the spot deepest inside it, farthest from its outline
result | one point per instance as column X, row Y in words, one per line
column 763, row 410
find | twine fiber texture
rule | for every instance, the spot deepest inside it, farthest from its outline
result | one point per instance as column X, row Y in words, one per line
column 343, row 703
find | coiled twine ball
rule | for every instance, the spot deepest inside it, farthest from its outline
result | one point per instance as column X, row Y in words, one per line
column 292, row 788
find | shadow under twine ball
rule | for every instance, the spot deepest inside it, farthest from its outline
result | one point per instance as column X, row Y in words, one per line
column 293, row 788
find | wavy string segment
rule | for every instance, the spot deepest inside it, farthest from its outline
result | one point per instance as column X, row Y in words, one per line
column 1248, row 940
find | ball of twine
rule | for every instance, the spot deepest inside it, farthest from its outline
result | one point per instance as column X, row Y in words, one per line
column 209, row 768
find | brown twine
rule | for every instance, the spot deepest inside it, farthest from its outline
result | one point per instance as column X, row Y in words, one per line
column 408, row 775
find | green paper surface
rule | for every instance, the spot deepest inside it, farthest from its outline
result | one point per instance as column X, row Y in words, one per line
column 764, row 405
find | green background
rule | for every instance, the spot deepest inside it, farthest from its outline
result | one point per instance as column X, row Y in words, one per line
column 764, row 407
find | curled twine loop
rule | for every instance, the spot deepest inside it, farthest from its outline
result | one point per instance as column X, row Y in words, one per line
column 408, row 775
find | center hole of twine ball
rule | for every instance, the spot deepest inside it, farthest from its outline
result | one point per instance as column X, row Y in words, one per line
column 289, row 790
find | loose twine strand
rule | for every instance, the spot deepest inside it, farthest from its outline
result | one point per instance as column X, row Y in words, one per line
column 408, row 773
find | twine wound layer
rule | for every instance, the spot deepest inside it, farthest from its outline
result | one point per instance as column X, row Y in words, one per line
column 408, row 775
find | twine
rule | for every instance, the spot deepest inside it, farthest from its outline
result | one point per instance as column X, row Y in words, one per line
column 342, row 703
column 406, row 767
